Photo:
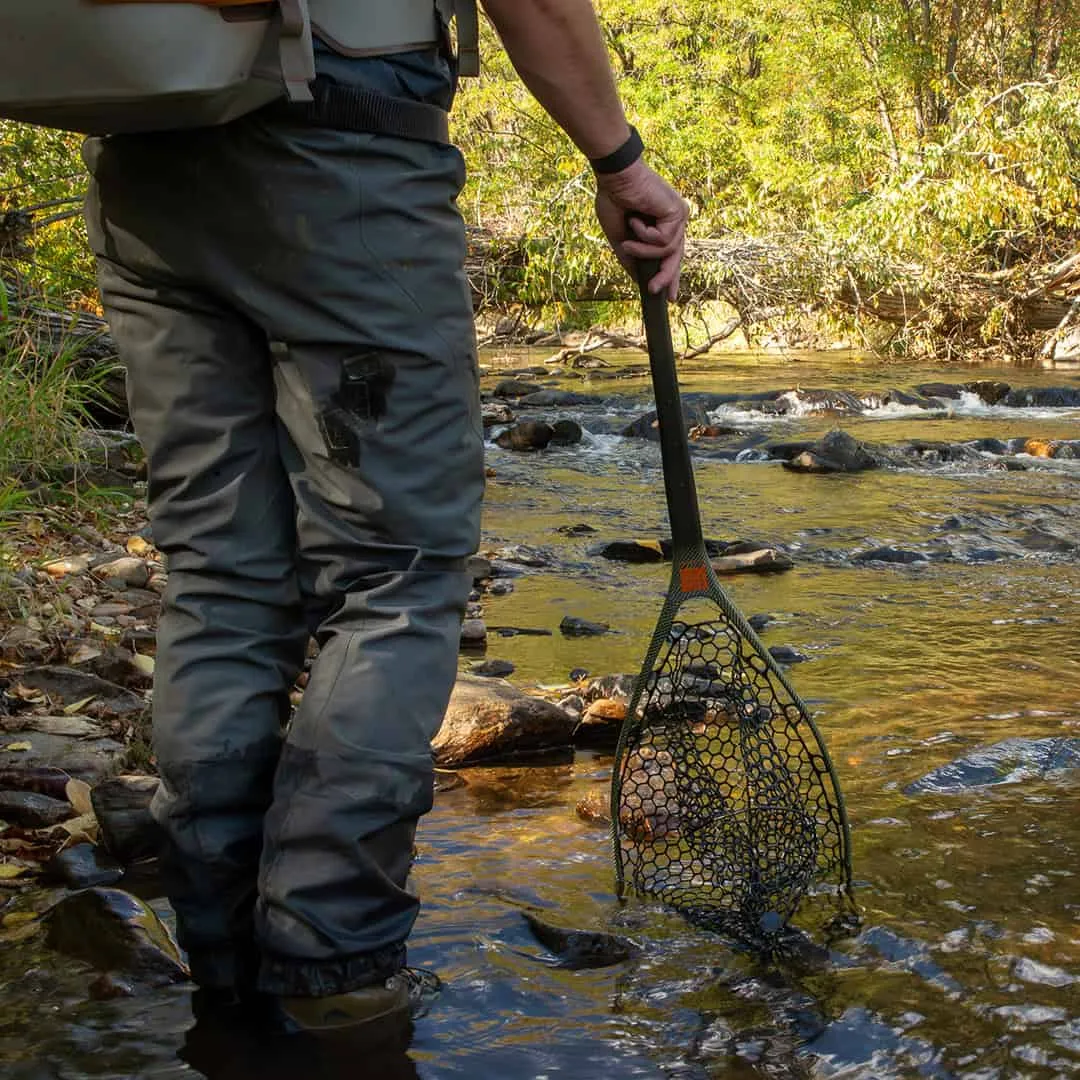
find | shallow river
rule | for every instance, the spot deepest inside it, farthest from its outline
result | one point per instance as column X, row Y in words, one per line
column 967, row 963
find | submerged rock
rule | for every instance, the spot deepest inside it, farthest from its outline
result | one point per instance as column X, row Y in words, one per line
column 572, row 626
column 837, row 452
column 578, row 949
column 889, row 555
column 492, row 669
column 489, row 719
column 762, row 561
column 595, row 808
column 114, row 931
column 786, row 654
column 1005, row 762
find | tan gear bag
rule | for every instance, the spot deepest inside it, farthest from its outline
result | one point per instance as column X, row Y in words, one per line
column 110, row 66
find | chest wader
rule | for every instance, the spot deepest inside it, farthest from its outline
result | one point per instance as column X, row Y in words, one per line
column 288, row 296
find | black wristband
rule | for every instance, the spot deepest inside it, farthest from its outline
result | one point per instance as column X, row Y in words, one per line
column 622, row 158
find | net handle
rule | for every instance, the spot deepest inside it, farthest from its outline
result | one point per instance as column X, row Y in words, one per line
column 679, row 484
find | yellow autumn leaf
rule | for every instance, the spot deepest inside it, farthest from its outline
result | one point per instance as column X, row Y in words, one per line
column 77, row 793
column 652, row 545
column 19, row 918
column 136, row 545
column 9, row 871
column 78, row 706
column 144, row 663
column 19, row 746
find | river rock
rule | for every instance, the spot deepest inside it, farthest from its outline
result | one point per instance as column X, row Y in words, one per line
column 822, row 400
column 503, row 587
column 515, row 388
column 571, row 626
column 496, row 412
column 117, row 666
column 559, row 399
column 83, row 866
column 578, row 529
column 29, row 810
column 122, row 808
column 763, row 561
column 83, row 758
column 632, row 551
column 759, row 621
column 1005, row 762
column 70, row 685
column 889, row 555
column 1043, row 397
column 949, row 391
column 488, row 719
column 990, row 391
column 905, row 397
column 595, row 808
column 478, row 567
column 21, row 645
column 492, row 669
column 522, row 555
column 473, row 634
column 577, row 949
column 837, row 452
column 525, row 436
column 573, row 704
column 786, row 654
column 114, row 931
column 610, row 686
column 131, row 572
column 647, row 426
column 566, row 433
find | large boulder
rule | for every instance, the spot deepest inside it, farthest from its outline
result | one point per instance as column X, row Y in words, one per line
column 489, row 719
column 837, row 452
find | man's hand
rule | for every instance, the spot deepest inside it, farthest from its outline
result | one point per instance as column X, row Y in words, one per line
column 557, row 48
column 640, row 191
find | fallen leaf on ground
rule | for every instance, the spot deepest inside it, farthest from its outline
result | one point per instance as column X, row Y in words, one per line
column 19, row 746
column 78, row 794
column 78, row 706
column 144, row 663
column 9, row 871
column 80, row 830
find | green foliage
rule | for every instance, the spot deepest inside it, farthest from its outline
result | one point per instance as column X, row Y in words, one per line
column 42, row 181
column 43, row 403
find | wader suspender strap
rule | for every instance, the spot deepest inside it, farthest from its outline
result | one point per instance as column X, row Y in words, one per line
column 468, row 32
column 295, row 49
column 367, row 112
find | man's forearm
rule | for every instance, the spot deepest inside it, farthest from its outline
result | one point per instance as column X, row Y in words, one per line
column 557, row 48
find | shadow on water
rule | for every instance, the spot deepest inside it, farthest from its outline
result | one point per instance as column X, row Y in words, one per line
column 967, row 964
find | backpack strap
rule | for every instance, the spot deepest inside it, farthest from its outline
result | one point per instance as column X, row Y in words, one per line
column 295, row 49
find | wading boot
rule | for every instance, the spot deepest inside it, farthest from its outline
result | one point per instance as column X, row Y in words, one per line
column 387, row 1006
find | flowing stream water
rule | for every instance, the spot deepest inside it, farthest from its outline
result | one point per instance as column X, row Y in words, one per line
column 967, row 962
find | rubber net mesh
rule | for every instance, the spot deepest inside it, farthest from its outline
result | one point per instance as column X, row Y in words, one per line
column 726, row 805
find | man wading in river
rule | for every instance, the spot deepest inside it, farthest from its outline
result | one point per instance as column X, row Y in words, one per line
column 289, row 299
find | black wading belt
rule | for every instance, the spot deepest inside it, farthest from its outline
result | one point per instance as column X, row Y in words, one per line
column 348, row 108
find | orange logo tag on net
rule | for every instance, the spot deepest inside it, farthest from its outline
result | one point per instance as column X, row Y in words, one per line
column 693, row 579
